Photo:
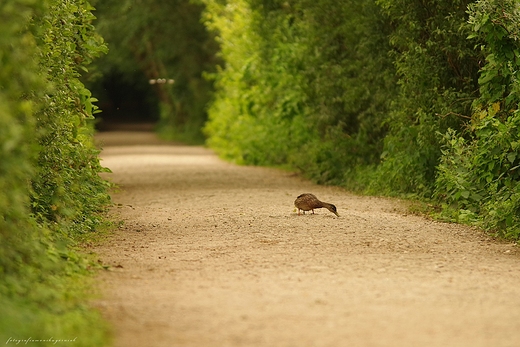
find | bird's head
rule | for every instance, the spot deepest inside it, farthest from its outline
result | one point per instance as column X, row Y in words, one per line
column 333, row 209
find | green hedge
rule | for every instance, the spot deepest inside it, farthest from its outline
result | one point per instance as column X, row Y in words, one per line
column 51, row 191
column 305, row 84
column 437, row 70
column 394, row 97
column 478, row 176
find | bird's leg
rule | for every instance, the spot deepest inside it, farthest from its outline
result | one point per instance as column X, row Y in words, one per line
column 313, row 211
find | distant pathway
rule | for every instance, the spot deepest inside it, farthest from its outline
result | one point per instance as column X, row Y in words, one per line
column 213, row 254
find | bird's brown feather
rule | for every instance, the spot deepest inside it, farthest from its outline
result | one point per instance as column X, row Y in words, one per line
column 309, row 202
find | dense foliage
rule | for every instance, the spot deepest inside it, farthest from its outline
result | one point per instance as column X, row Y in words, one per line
column 478, row 177
column 161, row 39
column 437, row 70
column 396, row 97
column 51, row 190
column 302, row 85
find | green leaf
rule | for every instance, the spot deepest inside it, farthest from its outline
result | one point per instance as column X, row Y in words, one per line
column 487, row 76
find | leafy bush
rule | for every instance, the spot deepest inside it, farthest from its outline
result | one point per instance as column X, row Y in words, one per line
column 437, row 69
column 252, row 118
column 478, row 178
column 326, row 71
column 48, row 171
column 291, row 84
column 66, row 187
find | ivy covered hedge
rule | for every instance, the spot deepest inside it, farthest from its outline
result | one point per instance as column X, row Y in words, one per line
column 51, row 190
column 395, row 97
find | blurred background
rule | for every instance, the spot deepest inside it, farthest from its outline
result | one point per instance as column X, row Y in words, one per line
column 148, row 42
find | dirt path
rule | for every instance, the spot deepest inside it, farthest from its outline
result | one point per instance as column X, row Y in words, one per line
column 213, row 254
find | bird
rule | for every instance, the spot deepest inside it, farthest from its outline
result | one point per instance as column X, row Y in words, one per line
column 309, row 202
